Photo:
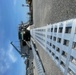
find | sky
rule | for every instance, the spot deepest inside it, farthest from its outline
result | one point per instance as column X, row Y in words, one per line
column 11, row 14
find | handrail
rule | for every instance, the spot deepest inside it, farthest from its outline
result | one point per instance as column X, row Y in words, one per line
column 57, row 40
column 37, row 62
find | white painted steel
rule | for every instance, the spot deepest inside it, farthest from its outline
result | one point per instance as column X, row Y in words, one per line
column 43, row 36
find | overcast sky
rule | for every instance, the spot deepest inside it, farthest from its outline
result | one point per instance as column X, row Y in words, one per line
column 11, row 14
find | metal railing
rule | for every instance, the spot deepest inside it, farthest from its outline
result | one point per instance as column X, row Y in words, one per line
column 59, row 41
column 38, row 65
